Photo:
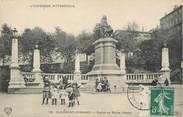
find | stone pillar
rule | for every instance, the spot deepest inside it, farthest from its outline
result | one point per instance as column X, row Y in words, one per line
column 14, row 53
column 165, row 64
column 122, row 62
column 77, row 72
column 16, row 78
column 77, row 64
column 36, row 59
column 36, row 67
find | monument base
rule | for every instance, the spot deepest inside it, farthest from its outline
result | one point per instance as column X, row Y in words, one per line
column 166, row 75
column 115, row 78
column 16, row 81
column 77, row 77
column 38, row 83
column 105, row 67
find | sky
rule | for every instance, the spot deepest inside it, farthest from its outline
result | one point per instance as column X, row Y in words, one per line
column 84, row 15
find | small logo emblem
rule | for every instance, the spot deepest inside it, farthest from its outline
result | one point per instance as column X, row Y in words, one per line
column 8, row 110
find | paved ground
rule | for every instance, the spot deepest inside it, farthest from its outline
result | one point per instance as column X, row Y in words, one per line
column 101, row 105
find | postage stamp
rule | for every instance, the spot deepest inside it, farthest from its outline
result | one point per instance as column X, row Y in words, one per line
column 162, row 101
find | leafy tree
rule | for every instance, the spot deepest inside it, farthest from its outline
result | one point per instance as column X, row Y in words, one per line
column 174, row 45
column 85, row 42
column 150, row 55
column 132, row 27
column 66, row 45
column 5, row 42
column 124, row 40
column 127, row 38
column 30, row 38
column 4, row 78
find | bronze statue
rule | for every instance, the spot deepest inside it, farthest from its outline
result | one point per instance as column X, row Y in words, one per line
column 103, row 29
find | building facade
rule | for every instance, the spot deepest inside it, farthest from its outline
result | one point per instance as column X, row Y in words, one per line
column 172, row 25
column 172, row 19
column 139, row 36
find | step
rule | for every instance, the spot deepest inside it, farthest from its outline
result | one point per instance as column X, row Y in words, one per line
column 26, row 90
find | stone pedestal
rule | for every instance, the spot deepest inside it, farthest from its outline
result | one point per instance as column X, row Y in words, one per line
column 77, row 77
column 36, row 67
column 36, row 59
column 122, row 62
column 165, row 65
column 105, row 57
column 16, row 78
column 105, row 65
column 77, row 72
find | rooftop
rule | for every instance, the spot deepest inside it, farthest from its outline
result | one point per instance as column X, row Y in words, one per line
column 174, row 10
column 145, row 32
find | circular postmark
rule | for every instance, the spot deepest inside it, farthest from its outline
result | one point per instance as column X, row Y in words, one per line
column 139, row 96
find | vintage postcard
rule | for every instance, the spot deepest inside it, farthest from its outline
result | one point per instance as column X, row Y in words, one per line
column 91, row 58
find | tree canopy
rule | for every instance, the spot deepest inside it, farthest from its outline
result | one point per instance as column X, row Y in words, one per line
column 36, row 36
column 147, row 54
column 5, row 42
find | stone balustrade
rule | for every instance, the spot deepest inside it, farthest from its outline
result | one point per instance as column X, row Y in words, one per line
column 54, row 77
column 142, row 77
column 28, row 76
column 84, row 78
column 136, row 77
column 130, row 78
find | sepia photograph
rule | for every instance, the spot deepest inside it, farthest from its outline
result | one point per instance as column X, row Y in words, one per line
column 91, row 58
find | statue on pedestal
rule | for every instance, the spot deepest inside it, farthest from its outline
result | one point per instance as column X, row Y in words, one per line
column 103, row 29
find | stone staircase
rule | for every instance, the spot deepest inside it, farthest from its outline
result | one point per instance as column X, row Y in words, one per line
column 26, row 90
column 88, row 88
column 176, row 75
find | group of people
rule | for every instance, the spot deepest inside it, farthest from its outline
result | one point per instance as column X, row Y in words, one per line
column 155, row 82
column 102, row 85
column 61, row 91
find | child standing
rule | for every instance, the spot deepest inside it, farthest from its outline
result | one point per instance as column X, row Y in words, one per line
column 70, row 96
column 46, row 90
column 54, row 94
column 76, row 92
column 63, row 95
